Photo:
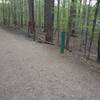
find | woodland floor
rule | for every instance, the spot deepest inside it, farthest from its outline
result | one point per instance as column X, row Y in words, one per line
column 34, row 71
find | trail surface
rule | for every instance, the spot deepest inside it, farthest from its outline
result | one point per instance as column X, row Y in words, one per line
column 33, row 71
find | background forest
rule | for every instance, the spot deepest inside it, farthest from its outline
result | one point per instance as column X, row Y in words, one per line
column 79, row 20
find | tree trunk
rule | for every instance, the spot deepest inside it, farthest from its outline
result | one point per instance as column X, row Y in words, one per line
column 31, row 10
column 93, row 28
column 98, row 48
column 15, row 15
column 3, row 10
column 31, row 23
column 58, row 15
column 21, row 11
column 9, row 14
column 87, row 26
column 71, row 22
column 58, row 21
column 49, row 19
column 73, row 17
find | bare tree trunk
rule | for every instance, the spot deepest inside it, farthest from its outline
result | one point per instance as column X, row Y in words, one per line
column 14, row 13
column 58, row 15
column 31, row 10
column 3, row 10
column 82, row 18
column 49, row 19
column 71, row 22
column 58, row 21
column 73, row 17
column 93, row 28
column 21, row 11
column 31, row 24
column 87, row 25
column 9, row 15
column 98, row 48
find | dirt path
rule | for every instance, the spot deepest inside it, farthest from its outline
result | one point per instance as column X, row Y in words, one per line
column 33, row 71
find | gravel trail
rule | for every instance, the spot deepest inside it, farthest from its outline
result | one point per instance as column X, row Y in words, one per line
column 33, row 71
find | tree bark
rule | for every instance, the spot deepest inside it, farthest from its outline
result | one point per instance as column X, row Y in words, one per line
column 21, row 11
column 14, row 12
column 93, row 28
column 58, row 20
column 49, row 19
column 98, row 48
column 31, row 23
column 31, row 10
column 87, row 25
column 71, row 22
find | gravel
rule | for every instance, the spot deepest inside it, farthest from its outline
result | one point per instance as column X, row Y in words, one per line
column 33, row 71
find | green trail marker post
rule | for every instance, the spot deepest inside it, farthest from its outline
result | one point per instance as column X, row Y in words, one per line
column 62, row 45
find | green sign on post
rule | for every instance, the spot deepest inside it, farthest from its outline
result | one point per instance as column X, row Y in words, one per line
column 62, row 45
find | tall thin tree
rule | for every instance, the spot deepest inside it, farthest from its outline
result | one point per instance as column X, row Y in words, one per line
column 93, row 28
column 31, row 24
column 49, row 19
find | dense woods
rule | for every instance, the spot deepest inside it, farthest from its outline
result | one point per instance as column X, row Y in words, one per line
column 78, row 19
